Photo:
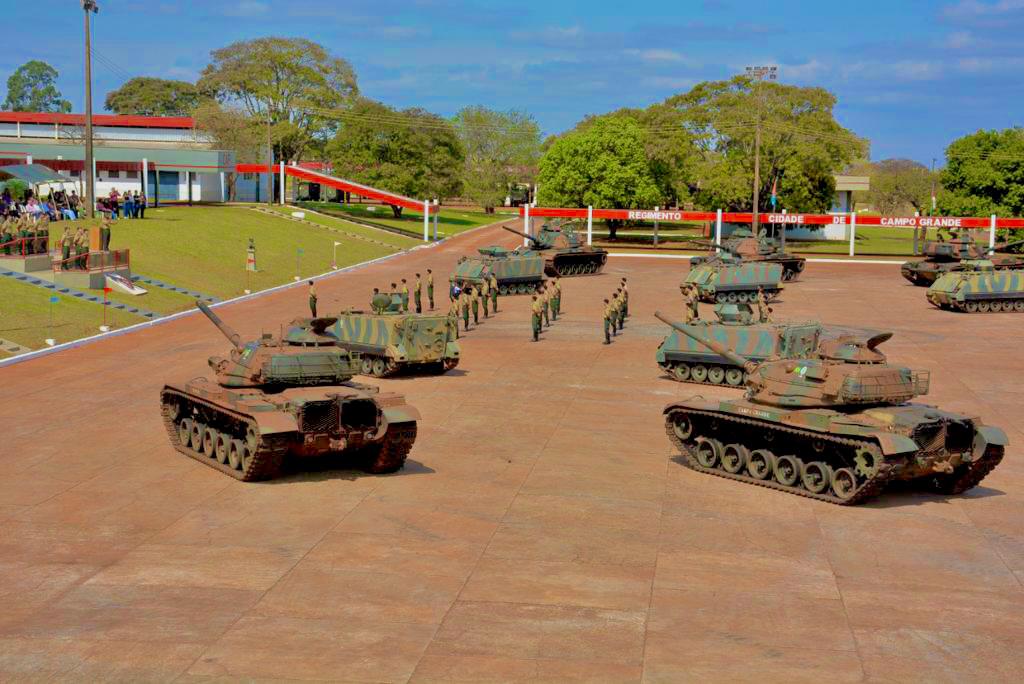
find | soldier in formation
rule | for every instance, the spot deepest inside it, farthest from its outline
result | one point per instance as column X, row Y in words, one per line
column 464, row 305
column 485, row 294
column 474, row 301
column 453, row 316
column 542, row 294
column 536, row 309
column 556, row 297
column 625, row 298
column 417, row 292
column 405, row 296
column 430, row 288
column 493, row 284
column 609, row 314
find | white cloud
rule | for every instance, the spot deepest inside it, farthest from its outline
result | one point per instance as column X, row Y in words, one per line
column 656, row 55
column 976, row 8
column 960, row 40
column 988, row 65
column 670, row 82
column 808, row 70
column 904, row 70
column 247, row 8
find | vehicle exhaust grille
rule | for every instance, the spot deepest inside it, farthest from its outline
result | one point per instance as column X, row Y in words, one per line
column 320, row 416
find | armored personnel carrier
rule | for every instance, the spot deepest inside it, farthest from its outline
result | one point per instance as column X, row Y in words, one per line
column 282, row 397
column 389, row 341
column 833, row 426
column 950, row 257
column 727, row 280
column 564, row 252
column 685, row 359
column 979, row 287
column 517, row 271
column 743, row 245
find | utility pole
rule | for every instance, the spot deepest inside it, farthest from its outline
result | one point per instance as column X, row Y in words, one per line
column 90, row 182
column 270, row 162
column 758, row 74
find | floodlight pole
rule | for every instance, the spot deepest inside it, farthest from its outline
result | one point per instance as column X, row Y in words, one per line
column 759, row 74
column 89, row 6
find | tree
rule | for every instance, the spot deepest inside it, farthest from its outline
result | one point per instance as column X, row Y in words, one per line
column 984, row 174
column 411, row 152
column 604, row 165
column 500, row 148
column 292, row 82
column 146, row 96
column 33, row 88
column 233, row 130
column 898, row 186
column 802, row 145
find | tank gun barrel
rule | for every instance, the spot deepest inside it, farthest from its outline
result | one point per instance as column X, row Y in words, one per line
column 520, row 233
column 232, row 336
column 1008, row 245
column 711, row 344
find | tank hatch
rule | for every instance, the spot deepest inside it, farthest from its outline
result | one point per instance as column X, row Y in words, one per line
column 735, row 314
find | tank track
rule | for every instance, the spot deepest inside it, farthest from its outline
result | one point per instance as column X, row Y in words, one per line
column 671, row 372
column 392, row 369
column 389, row 456
column 265, row 463
column 551, row 269
column 958, row 483
column 869, row 489
column 1016, row 304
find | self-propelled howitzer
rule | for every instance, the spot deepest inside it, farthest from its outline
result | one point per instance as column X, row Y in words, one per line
column 286, row 396
column 833, row 426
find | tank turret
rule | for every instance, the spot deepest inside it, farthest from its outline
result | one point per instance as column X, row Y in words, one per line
column 564, row 253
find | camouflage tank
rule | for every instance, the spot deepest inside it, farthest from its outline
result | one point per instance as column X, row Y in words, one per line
column 389, row 341
column 949, row 257
column 564, row 252
column 685, row 359
column 518, row 271
column 727, row 280
column 744, row 246
column 834, row 426
column 282, row 397
column 979, row 288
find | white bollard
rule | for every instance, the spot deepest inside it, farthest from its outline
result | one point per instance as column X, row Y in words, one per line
column 437, row 214
column 426, row 220
column 853, row 230
column 992, row 234
column 526, row 225
column 718, row 227
column 590, row 225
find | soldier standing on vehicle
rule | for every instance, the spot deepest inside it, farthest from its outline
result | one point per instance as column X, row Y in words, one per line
column 417, row 292
column 430, row 288
column 764, row 312
column 536, row 308
column 608, row 313
column 494, row 292
column 485, row 292
column 464, row 304
column 312, row 299
column 405, row 296
column 690, row 304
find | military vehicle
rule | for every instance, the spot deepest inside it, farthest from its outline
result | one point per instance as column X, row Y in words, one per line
column 744, row 246
column 949, row 256
column 833, row 426
column 685, row 359
column 389, row 341
column 979, row 287
column 564, row 252
column 287, row 396
column 517, row 271
column 727, row 280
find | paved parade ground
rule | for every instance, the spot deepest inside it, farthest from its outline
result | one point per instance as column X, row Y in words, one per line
column 541, row 529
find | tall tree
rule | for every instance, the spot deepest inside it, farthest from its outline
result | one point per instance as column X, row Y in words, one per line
column 898, row 186
column 411, row 152
column 984, row 174
column 234, row 130
column 293, row 83
column 604, row 164
column 500, row 147
column 33, row 88
column 146, row 96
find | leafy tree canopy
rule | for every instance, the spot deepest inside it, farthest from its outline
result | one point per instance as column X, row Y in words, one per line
column 898, row 186
column 500, row 148
column 984, row 174
column 146, row 96
column 33, row 88
column 411, row 152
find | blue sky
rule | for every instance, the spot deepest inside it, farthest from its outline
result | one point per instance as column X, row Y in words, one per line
column 909, row 75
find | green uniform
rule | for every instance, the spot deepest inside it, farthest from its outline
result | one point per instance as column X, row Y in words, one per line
column 556, row 299
column 609, row 312
column 484, row 292
column 625, row 301
column 545, row 307
column 417, row 296
column 430, row 290
column 405, row 298
column 464, row 303
column 536, row 317
column 453, row 316
column 312, row 300
column 494, row 293
column 475, row 302
column 65, row 250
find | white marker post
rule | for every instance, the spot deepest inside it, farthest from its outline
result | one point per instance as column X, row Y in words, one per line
column 853, row 230
column 992, row 234
column 590, row 224
column 718, row 227
column 437, row 214
column 282, row 182
column 526, row 224
column 426, row 220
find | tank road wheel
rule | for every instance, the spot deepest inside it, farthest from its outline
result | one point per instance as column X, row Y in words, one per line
column 816, row 477
column 732, row 297
column 984, row 307
column 708, row 452
column 380, row 367
column 681, row 372
column 716, row 374
column 252, row 439
column 682, row 426
column 196, row 438
column 971, row 307
column 699, row 372
column 1002, row 306
column 210, row 441
column 185, row 431
column 760, row 464
column 742, row 297
column 366, row 365
column 1018, row 306
column 221, row 447
column 844, row 483
column 787, row 470
column 721, row 298
column 734, row 377
column 866, row 461
column 734, row 457
column 503, row 290
column 236, row 450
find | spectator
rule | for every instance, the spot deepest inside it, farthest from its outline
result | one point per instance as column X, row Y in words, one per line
column 140, row 204
column 74, row 202
column 113, row 204
column 32, row 208
column 129, row 205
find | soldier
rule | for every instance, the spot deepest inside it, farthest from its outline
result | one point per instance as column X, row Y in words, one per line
column 105, row 233
column 65, row 249
column 81, row 249
column 430, row 288
column 556, row 297
column 24, row 233
column 625, row 298
column 608, row 312
column 494, row 292
column 485, row 294
column 474, row 301
column 622, row 308
column 616, row 313
column 536, row 312
column 417, row 292
column 453, row 316
column 312, row 299
column 376, row 302
column 546, row 305
column 464, row 304
column 405, row 296
column 763, row 310
column 5, row 236
column 690, row 310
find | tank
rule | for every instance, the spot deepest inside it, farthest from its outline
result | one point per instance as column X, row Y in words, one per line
column 979, row 287
column 727, row 280
column 743, row 245
column 518, row 271
column 685, row 359
column 949, row 257
column 284, row 397
column 565, row 254
column 390, row 342
column 836, row 426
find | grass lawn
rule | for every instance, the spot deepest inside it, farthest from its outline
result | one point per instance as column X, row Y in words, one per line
column 25, row 316
column 452, row 221
column 386, row 236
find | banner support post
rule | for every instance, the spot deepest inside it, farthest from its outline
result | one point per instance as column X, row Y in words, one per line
column 718, row 227
column 992, row 234
column 590, row 224
column 437, row 212
column 526, row 225
column 282, row 182
column 655, row 226
column 853, row 230
column 426, row 220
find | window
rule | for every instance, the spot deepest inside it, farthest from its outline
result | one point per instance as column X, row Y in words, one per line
column 76, row 174
column 113, row 174
column 131, row 174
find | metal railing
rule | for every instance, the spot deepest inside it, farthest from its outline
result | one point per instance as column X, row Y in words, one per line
column 94, row 261
column 22, row 247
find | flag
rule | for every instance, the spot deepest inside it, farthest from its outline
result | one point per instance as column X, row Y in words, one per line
column 107, row 290
column 775, row 197
column 336, row 244
column 54, row 299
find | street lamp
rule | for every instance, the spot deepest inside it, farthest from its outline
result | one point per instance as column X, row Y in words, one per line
column 758, row 74
column 89, row 7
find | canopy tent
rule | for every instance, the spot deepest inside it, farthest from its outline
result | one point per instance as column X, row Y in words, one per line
column 42, row 179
